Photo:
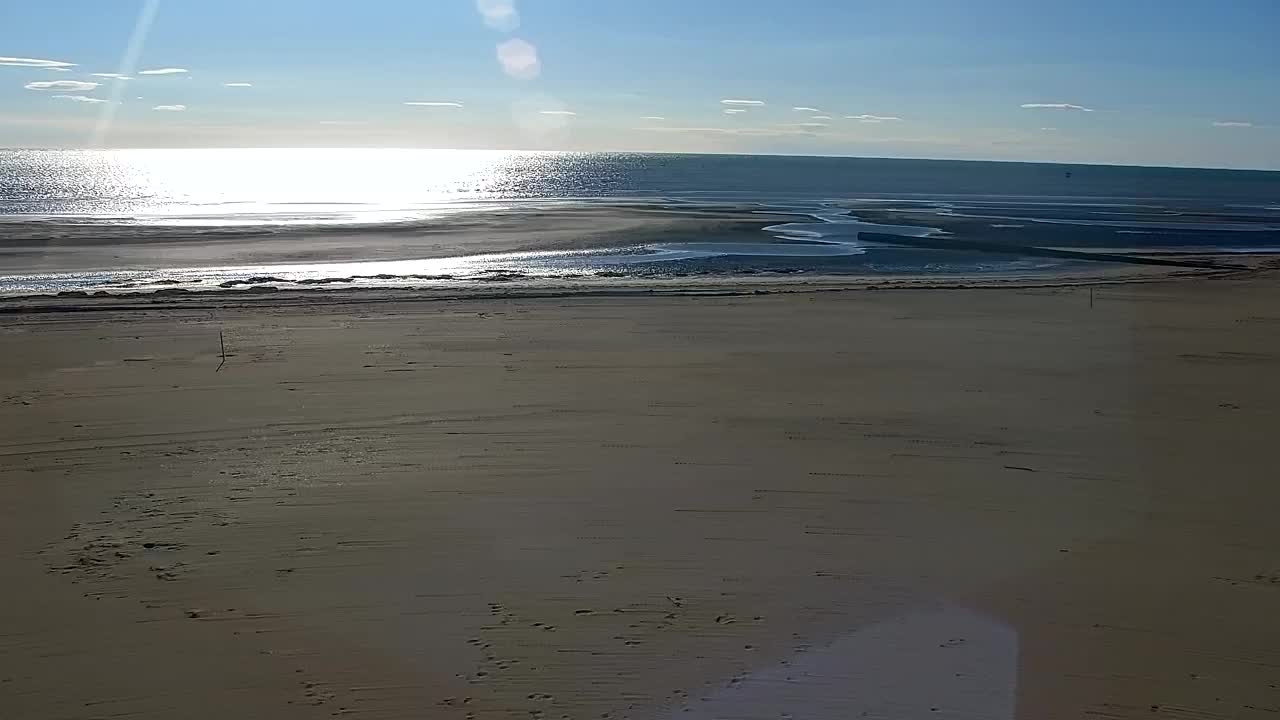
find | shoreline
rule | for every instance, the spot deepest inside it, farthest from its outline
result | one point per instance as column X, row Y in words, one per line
column 532, row 227
column 738, row 285
column 579, row 245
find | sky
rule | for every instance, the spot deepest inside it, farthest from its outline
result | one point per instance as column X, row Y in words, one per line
column 1167, row 82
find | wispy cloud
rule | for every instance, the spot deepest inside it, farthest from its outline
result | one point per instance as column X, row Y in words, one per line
column 557, row 112
column 813, row 125
column 62, row 85
column 499, row 14
column 434, row 103
column 804, row 108
column 1055, row 106
column 873, row 118
column 1233, row 124
column 733, row 111
column 755, row 103
column 1048, row 129
column 111, row 76
column 820, row 117
column 519, row 59
column 35, row 63
column 164, row 71
column 652, row 117
column 80, row 98
column 170, row 108
column 237, row 84
column 739, row 131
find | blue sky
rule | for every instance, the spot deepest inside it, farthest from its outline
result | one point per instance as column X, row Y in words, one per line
column 1174, row 82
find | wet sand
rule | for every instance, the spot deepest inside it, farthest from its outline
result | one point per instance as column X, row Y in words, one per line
column 904, row 503
column 48, row 246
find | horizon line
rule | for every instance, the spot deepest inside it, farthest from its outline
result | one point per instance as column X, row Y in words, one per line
column 5, row 148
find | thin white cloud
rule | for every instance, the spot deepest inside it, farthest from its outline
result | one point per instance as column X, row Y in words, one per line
column 36, row 63
column 733, row 111
column 499, row 14
column 1048, row 129
column 873, row 118
column 813, row 124
column 755, row 103
column 652, row 117
column 434, row 103
column 820, row 117
column 1055, row 106
column 1233, row 124
column 164, row 71
column 519, row 59
column 111, row 76
column 556, row 112
column 62, row 85
column 740, row 131
column 804, row 108
column 170, row 108
column 237, row 84
column 80, row 98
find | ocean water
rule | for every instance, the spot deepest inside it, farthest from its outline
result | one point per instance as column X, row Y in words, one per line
column 138, row 220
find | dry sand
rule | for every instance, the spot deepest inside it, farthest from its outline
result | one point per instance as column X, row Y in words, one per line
column 892, row 504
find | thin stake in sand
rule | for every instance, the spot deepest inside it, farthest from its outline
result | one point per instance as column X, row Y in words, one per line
column 223, row 343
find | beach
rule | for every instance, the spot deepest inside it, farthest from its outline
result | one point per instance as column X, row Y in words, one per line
column 1032, row 502
column 49, row 246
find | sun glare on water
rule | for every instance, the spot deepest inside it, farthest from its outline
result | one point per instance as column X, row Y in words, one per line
column 287, row 186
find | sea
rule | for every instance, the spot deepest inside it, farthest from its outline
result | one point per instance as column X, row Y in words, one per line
column 136, row 221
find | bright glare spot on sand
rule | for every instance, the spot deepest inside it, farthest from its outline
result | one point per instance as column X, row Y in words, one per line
column 949, row 662
column 519, row 59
